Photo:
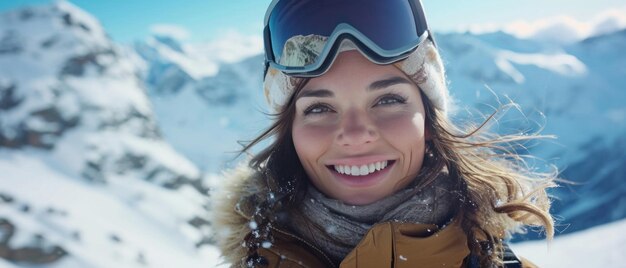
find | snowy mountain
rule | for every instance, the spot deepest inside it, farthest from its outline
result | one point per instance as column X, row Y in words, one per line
column 86, row 179
column 103, row 148
column 573, row 92
column 203, row 115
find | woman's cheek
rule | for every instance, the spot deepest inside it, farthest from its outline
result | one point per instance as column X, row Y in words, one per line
column 311, row 140
column 402, row 125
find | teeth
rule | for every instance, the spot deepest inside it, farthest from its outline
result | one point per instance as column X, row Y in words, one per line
column 364, row 171
column 354, row 170
column 361, row 170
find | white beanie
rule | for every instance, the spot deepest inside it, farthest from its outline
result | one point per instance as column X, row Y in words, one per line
column 423, row 66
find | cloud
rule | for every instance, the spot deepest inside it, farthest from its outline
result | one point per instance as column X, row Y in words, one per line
column 231, row 45
column 175, row 31
column 558, row 28
column 610, row 21
column 561, row 28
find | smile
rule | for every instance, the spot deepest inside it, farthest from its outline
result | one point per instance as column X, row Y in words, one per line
column 361, row 170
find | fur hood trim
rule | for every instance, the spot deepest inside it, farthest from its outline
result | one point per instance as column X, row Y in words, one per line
column 231, row 223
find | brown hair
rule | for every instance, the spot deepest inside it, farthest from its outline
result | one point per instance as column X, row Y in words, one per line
column 499, row 193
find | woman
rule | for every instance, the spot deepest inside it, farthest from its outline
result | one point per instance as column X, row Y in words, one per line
column 365, row 168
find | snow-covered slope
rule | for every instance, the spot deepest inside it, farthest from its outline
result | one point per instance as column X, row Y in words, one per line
column 601, row 246
column 85, row 178
column 49, row 217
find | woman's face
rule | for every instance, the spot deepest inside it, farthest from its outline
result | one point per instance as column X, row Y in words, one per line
column 359, row 130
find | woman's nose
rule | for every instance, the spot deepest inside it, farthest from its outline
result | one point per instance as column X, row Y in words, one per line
column 357, row 128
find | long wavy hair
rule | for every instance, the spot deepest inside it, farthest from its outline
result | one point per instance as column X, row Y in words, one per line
column 500, row 193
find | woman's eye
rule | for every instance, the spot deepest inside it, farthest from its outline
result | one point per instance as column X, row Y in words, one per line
column 390, row 100
column 317, row 109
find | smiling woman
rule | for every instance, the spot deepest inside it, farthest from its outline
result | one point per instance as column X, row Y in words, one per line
column 366, row 168
column 360, row 140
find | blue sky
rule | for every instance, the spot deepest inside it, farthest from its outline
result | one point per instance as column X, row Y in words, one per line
column 128, row 20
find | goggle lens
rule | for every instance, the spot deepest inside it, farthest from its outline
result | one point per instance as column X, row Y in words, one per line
column 299, row 29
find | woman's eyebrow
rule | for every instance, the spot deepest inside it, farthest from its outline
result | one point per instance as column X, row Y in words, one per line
column 320, row 93
column 380, row 84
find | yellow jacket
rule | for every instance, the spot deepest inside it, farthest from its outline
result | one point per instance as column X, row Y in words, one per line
column 385, row 245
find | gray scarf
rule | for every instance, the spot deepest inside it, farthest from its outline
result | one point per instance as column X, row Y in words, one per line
column 336, row 228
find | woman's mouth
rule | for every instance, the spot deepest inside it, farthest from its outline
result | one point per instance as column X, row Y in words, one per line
column 361, row 170
column 364, row 175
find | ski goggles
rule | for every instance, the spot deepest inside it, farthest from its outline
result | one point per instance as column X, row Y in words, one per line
column 303, row 37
